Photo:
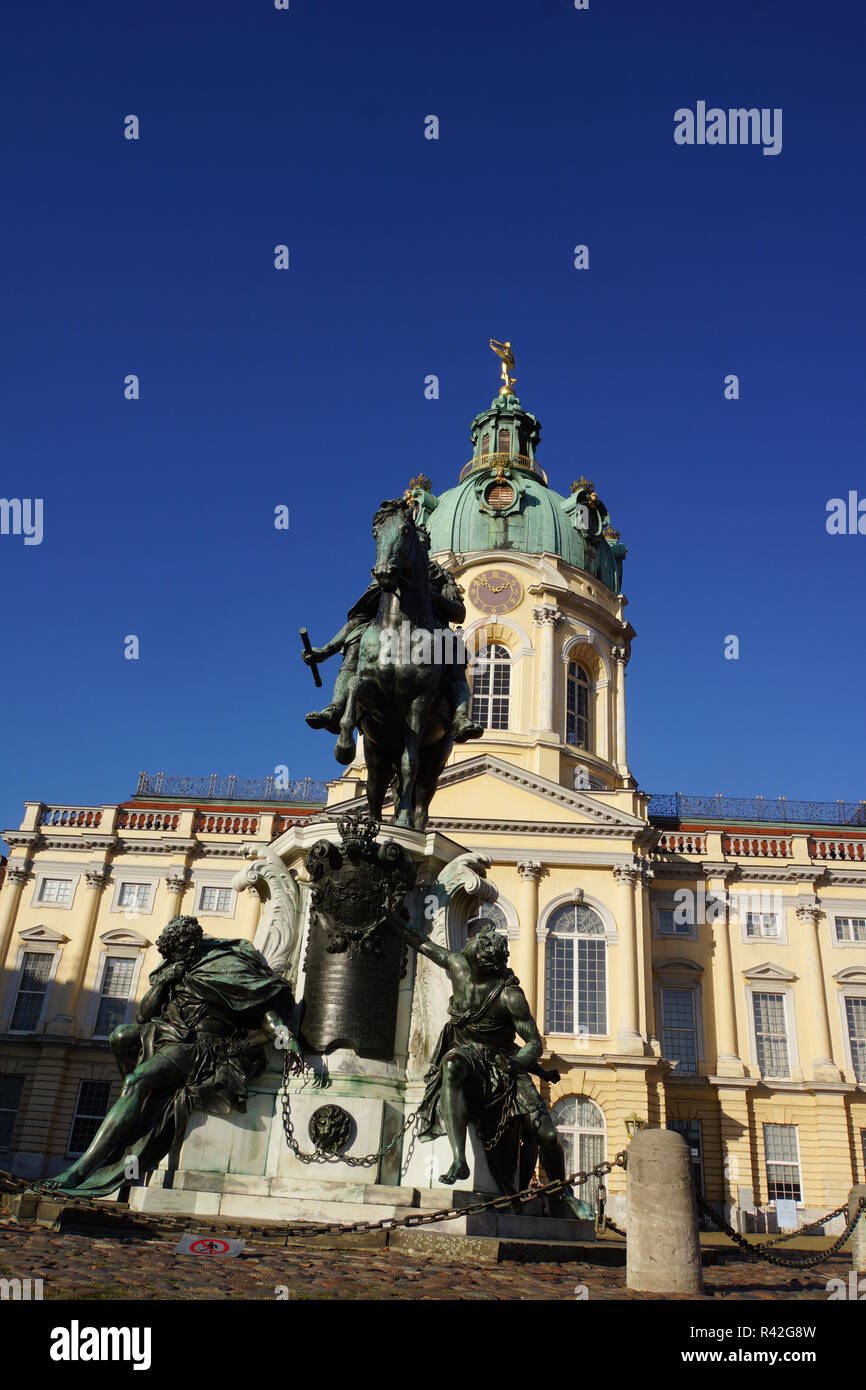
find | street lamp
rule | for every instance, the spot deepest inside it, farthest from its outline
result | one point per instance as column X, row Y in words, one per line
column 633, row 1123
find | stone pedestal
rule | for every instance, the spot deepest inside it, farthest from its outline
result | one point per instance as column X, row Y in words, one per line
column 858, row 1239
column 663, row 1251
column 241, row 1168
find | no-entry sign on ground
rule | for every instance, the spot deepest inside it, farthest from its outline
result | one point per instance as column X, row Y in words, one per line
column 209, row 1246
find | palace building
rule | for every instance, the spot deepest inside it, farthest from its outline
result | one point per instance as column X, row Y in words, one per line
column 693, row 962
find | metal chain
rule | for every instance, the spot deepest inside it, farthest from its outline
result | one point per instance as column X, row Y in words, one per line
column 757, row 1252
column 801, row 1230
column 9, row 1183
column 504, row 1116
column 290, row 1069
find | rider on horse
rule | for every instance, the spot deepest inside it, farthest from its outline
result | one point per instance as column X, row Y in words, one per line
column 448, row 607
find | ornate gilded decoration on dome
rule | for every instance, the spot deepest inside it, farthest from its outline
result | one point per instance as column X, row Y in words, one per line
column 503, row 350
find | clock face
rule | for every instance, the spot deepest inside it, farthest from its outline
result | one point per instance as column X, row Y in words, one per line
column 495, row 591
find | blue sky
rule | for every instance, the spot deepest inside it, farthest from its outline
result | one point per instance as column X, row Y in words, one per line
column 306, row 387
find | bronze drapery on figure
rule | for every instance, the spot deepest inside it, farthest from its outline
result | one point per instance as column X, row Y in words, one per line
column 202, row 1034
column 479, row 1075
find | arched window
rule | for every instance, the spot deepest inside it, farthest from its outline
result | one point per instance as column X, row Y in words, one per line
column 580, row 1124
column 486, row 917
column 577, row 706
column 491, row 687
column 575, row 972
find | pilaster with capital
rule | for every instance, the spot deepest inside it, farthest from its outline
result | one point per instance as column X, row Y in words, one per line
column 77, row 961
column 530, row 871
column 809, row 915
column 177, row 882
column 620, row 656
column 17, row 875
column 728, row 1060
column 546, row 617
column 629, row 879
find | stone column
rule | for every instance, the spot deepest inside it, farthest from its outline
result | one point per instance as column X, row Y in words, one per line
column 663, row 1252
column 858, row 1239
column 177, row 883
column 620, row 656
column 16, row 877
column 728, row 1060
column 64, row 1021
column 530, row 871
column 735, row 1125
column 249, row 917
column 628, row 1038
column 546, row 617
column 823, row 1069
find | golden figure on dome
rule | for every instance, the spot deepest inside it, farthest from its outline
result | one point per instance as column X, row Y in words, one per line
column 503, row 350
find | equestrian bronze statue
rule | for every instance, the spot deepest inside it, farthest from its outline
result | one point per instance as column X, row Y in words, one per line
column 402, row 681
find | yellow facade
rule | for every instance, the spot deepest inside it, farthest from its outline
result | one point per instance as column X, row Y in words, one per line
column 679, row 999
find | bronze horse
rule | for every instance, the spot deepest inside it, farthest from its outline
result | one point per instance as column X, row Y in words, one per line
column 396, row 697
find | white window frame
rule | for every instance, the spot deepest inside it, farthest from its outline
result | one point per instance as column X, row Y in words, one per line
column 693, row 988
column 782, row 1124
column 605, row 936
column 148, row 879
column 30, row 948
column 761, row 935
column 206, row 883
column 843, row 917
column 774, row 986
column 744, row 902
column 587, row 1192
column 573, row 662
column 842, row 907
column 485, row 659
column 668, row 903
column 63, row 873
column 848, row 991
column 135, row 954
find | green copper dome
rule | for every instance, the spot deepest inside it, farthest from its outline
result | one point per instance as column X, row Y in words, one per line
column 502, row 501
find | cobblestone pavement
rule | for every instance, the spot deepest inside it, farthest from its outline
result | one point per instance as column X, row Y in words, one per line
column 118, row 1267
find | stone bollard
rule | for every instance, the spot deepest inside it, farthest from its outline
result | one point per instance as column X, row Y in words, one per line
column 858, row 1239
column 663, row 1253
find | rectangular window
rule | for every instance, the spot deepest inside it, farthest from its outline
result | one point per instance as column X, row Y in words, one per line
column 691, row 1132
column 559, row 1007
column 591, row 986
column 855, row 1012
column 679, row 1029
column 91, row 1108
column 761, row 925
column 504, row 442
column 851, row 928
column 669, row 923
column 55, row 890
column 116, row 984
column 215, row 899
column 11, row 1088
column 31, row 991
column 134, row 895
column 783, row 1163
column 771, row 1034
